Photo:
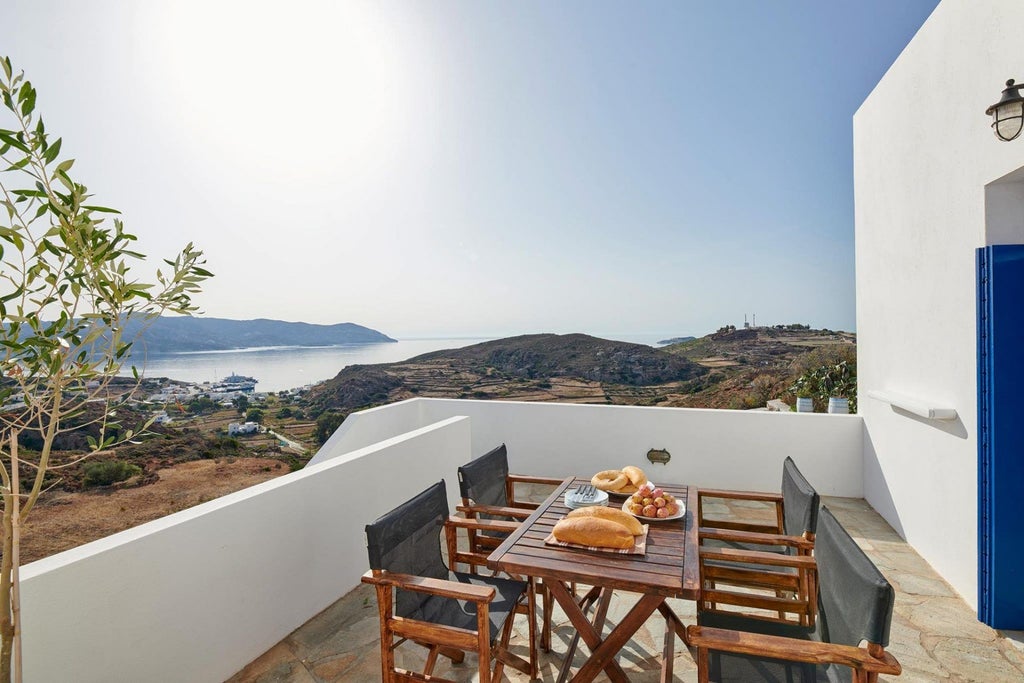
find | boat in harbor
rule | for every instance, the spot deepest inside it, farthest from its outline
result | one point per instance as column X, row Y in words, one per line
column 236, row 382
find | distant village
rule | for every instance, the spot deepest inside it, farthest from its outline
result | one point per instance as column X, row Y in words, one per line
column 226, row 393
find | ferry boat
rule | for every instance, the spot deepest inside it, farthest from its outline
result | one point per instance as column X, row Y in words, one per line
column 236, row 382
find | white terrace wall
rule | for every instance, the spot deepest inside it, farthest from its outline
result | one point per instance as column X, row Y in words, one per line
column 923, row 156
column 711, row 448
column 197, row 595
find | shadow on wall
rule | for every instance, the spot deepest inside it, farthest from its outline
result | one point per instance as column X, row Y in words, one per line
column 876, row 488
column 954, row 427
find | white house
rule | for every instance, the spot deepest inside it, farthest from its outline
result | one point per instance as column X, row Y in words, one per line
column 933, row 187
column 236, row 428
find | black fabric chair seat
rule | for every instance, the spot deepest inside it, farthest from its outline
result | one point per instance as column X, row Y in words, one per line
column 462, row 614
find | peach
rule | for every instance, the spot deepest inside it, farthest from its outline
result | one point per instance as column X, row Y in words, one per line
column 650, row 511
column 660, row 502
column 663, row 512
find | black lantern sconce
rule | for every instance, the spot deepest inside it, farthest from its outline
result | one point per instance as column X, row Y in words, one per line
column 1008, row 113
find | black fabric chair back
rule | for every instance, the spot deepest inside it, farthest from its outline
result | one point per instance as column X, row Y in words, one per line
column 800, row 501
column 407, row 540
column 854, row 600
column 483, row 479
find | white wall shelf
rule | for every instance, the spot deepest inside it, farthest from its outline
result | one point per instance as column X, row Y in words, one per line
column 913, row 405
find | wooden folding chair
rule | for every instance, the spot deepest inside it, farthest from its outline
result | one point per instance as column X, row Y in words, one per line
column 853, row 603
column 448, row 612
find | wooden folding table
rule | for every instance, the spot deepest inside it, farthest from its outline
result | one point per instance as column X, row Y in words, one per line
column 669, row 568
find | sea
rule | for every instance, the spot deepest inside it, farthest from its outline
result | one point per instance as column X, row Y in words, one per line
column 277, row 368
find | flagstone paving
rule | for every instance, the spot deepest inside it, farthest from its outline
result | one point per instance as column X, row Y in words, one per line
column 935, row 635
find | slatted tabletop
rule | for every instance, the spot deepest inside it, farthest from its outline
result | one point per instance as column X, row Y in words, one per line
column 669, row 568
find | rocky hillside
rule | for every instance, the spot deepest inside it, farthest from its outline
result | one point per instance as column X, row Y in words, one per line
column 572, row 355
column 536, row 367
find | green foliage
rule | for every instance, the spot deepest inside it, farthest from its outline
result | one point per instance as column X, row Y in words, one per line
column 327, row 424
column 241, row 404
column 254, row 415
column 107, row 472
column 222, row 446
column 825, row 381
column 201, row 404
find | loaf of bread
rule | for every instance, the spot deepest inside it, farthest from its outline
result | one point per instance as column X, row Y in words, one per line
column 631, row 523
column 635, row 475
column 593, row 531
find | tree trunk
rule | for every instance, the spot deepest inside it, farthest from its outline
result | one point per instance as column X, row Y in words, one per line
column 15, row 562
column 6, row 616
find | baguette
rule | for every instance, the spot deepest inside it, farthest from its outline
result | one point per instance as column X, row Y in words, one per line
column 631, row 523
column 593, row 531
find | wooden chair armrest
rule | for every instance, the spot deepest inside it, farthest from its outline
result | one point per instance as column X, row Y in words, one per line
column 740, row 526
column 752, row 537
column 515, row 513
column 739, row 495
column 791, row 649
column 757, row 557
column 440, row 587
column 527, row 479
column 482, row 524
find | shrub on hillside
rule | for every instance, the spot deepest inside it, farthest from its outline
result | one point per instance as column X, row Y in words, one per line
column 326, row 425
column 107, row 472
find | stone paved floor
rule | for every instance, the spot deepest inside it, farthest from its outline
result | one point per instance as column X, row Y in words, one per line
column 935, row 635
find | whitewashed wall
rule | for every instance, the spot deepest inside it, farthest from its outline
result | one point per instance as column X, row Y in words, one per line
column 923, row 155
column 197, row 595
column 711, row 448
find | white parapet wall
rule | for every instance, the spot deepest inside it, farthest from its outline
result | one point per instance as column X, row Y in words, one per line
column 924, row 155
column 710, row 448
column 197, row 595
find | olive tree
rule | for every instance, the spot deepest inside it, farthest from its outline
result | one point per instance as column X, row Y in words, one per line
column 67, row 292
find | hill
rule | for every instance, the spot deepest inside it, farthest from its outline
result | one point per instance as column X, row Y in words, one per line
column 170, row 335
column 537, row 367
column 731, row 368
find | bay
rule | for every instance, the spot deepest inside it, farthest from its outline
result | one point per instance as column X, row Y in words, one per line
column 286, row 367
column 289, row 367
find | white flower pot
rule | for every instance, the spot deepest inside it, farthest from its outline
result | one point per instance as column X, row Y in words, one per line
column 838, row 405
column 805, row 405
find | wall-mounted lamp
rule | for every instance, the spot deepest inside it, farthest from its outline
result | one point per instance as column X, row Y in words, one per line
column 1008, row 113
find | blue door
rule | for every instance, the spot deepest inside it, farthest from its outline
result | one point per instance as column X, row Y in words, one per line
column 1000, row 271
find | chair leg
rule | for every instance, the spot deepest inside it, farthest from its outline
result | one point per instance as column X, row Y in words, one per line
column 702, row 665
column 532, row 616
column 387, row 647
column 545, row 633
column 431, row 660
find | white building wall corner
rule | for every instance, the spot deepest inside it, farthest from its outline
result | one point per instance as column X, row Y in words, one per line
column 923, row 156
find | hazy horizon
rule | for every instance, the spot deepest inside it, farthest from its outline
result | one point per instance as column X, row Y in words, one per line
column 477, row 169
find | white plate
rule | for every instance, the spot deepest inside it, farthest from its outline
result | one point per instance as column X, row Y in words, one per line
column 678, row 515
column 570, row 499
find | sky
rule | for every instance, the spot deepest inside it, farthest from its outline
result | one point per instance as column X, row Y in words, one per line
column 477, row 168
